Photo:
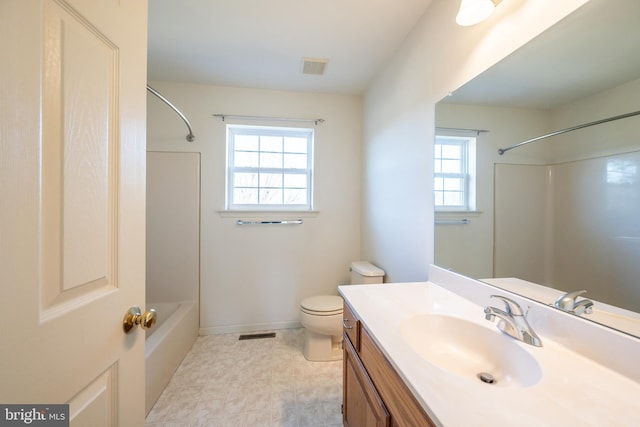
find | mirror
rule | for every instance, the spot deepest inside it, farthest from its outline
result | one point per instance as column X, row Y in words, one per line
column 563, row 213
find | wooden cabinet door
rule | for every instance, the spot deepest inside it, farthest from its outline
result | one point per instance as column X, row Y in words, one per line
column 362, row 407
column 351, row 325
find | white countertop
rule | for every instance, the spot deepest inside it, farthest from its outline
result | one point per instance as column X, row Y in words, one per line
column 573, row 389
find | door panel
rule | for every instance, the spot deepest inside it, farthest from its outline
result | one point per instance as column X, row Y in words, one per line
column 95, row 404
column 79, row 161
column 72, row 202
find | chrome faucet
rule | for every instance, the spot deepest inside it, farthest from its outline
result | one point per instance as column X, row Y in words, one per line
column 512, row 321
column 568, row 302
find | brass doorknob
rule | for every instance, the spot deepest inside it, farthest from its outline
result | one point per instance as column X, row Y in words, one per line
column 134, row 316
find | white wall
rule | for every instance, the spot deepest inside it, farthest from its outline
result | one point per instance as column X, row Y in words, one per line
column 253, row 277
column 437, row 57
column 609, row 138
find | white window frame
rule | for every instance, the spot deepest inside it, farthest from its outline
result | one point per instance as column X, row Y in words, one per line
column 467, row 174
column 232, row 131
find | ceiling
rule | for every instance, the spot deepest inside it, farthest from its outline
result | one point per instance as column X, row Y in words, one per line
column 593, row 49
column 261, row 43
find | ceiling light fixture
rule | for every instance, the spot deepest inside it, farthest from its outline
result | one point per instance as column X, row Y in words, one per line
column 475, row 11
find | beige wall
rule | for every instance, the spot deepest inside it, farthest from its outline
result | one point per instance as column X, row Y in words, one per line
column 253, row 277
column 605, row 139
column 524, row 226
column 437, row 57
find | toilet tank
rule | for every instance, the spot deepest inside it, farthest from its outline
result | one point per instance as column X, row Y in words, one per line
column 363, row 272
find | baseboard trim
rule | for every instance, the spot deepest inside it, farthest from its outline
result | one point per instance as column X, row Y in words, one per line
column 232, row 329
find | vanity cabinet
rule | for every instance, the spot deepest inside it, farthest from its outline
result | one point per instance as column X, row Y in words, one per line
column 351, row 326
column 374, row 394
column 362, row 405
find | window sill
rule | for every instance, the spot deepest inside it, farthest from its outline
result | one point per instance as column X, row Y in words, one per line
column 453, row 213
column 262, row 214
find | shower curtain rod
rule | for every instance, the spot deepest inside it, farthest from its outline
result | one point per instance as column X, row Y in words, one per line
column 280, row 119
column 190, row 136
column 476, row 131
column 501, row 151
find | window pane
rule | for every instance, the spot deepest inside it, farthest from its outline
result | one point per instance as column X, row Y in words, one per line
column 621, row 171
column 245, row 196
column 295, row 145
column 451, row 166
column 452, row 151
column 245, row 179
column 243, row 159
column 439, row 198
column 246, row 142
column 295, row 161
column 438, row 166
column 438, row 184
column 270, row 196
column 453, row 199
column 295, row 181
column 271, row 180
column 271, row 143
column 270, row 160
column 295, row 197
column 452, row 184
column 438, row 151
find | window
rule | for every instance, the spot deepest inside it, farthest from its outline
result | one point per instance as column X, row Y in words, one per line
column 454, row 167
column 269, row 168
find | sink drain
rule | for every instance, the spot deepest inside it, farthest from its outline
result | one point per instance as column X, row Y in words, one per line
column 487, row 378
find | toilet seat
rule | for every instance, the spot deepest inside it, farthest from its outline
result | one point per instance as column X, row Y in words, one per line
column 322, row 305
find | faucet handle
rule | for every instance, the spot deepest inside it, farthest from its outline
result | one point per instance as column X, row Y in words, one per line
column 585, row 306
column 512, row 307
column 575, row 294
column 568, row 300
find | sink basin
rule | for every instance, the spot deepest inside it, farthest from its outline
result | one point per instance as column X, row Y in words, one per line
column 468, row 349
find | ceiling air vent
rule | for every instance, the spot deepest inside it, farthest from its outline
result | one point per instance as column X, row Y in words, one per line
column 314, row 66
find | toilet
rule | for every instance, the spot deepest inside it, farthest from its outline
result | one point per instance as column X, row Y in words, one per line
column 321, row 316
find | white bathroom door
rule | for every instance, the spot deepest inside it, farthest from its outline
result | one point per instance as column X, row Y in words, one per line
column 72, row 206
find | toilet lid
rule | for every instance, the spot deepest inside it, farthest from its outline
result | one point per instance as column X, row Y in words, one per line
column 325, row 304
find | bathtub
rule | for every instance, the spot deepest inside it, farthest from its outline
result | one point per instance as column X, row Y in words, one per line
column 167, row 344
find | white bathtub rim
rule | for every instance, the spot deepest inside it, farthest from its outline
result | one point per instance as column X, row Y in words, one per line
column 151, row 343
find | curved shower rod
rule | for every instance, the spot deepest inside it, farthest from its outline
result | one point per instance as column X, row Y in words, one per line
column 501, row 151
column 190, row 136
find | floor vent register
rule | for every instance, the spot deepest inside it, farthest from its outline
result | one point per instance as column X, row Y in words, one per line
column 257, row 336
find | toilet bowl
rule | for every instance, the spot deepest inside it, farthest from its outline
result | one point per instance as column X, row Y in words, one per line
column 321, row 316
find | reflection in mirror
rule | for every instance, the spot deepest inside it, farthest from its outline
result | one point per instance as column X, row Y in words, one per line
column 560, row 214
